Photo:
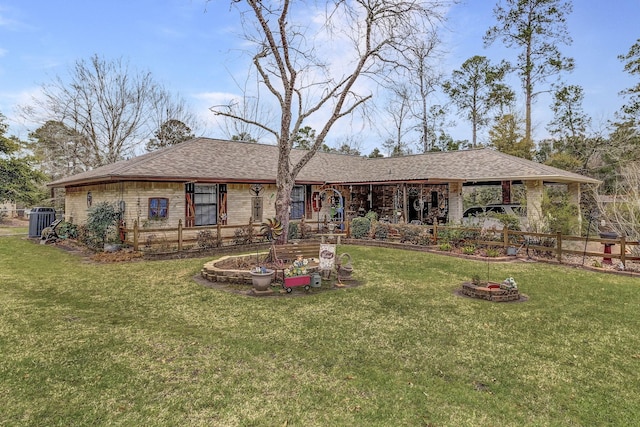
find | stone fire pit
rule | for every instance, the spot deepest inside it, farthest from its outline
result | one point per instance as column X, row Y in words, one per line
column 490, row 291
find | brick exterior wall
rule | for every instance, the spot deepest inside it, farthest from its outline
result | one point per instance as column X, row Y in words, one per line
column 136, row 197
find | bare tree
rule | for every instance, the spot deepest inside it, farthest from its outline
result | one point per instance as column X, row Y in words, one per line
column 437, row 137
column 113, row 108
column 251, row 111
column 172, row 121
column 370, row 37
column 350, row 145
column 398, row 108
column 423, row 76
column 621, row 211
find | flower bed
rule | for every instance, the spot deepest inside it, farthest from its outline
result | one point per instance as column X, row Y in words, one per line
column 237, row 268
column 230, row 269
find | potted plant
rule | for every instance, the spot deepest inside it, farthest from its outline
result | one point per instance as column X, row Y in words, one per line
column 509, row 284
column 261, row 278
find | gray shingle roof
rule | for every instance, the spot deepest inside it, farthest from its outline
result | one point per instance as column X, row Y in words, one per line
column 214, row 160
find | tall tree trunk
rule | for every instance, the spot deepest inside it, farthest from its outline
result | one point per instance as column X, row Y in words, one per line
column 284, row 184
column 528, row 94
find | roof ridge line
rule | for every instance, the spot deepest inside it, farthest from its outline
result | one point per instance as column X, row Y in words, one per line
column 146, row 157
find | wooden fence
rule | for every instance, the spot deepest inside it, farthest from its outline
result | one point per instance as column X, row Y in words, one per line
column 181, row 237
column 552, row 244
column 555, row 245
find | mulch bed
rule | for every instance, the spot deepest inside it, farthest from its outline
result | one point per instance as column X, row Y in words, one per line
column 588, row 263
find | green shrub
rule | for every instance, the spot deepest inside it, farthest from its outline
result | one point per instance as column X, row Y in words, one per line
column 508, row 221
column 425, row 238
column 66, row 230
column 243, row 235
column 360, row 227
column 207, row 240
column 469, row 250
column 466, row 234
column 371, row 216
column 452, row 235
column 492, row 252
column 102, row 225
column 293, row 230
column 409, row 233
column 380, row 231
column 446, row 246
column 559, row 214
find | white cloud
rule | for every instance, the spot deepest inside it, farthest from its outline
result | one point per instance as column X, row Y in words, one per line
column 202, row 103
column 10, row 23
column 9, row 106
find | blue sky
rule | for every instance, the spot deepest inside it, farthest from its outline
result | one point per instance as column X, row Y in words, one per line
column 191, row 46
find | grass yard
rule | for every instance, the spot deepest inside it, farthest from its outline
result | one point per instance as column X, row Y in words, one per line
column 143, row 344
column 14, row 231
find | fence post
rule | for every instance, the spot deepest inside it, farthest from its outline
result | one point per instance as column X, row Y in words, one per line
column 179, row 234
column 435, row 232
column 623, row 251
column 559, row 246
column 505, row 238
column 136, row 232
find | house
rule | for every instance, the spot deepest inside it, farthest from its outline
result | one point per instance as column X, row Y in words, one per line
column 207, row 181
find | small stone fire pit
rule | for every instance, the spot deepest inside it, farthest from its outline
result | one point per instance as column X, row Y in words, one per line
column 490, row 291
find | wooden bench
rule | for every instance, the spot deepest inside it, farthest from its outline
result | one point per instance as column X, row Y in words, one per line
column 291, row 251
column 284, row 255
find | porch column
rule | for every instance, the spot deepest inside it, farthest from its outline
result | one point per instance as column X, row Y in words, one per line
column 534, row 203
column 573, row 189
column 455, row 203
column 506, row 192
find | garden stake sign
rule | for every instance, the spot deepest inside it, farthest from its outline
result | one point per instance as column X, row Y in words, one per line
column 327, row 258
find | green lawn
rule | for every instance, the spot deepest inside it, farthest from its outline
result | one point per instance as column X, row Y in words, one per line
column 143, row 344
column 14, row 231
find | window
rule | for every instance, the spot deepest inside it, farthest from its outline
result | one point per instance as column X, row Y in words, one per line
column 297, row 202
column 158, row 207
column 434, row 199
column 496, row 210
column 205, row 198
column 475, row 211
